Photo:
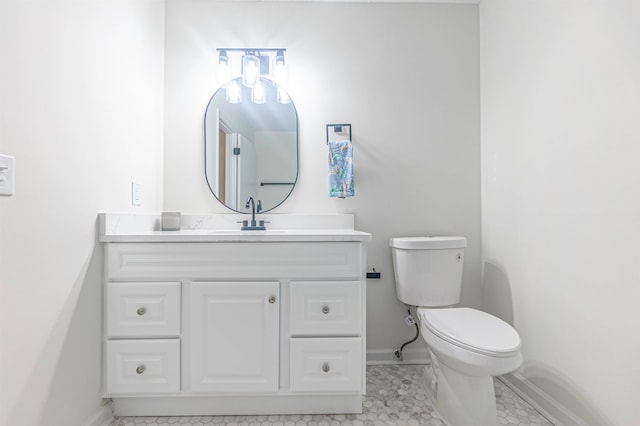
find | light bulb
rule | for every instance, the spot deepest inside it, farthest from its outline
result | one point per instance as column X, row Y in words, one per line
column 258, row 93
column 250, row 70
column 234, row 92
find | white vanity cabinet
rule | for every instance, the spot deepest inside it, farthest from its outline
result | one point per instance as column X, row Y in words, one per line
column 237, row 323
column 234, row 342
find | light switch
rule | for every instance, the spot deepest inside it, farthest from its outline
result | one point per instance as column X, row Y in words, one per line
column 7, row 174
column 136, row 194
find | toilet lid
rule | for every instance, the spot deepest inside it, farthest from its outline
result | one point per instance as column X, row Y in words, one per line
column 471, row 329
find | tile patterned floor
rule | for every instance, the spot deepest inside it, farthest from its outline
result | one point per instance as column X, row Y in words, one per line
column 394, row 398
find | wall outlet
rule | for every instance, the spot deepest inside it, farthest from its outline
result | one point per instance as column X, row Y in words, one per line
column 136, row 194
column 7, row 174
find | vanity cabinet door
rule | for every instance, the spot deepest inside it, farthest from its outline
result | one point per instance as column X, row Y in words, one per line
column 234, row 339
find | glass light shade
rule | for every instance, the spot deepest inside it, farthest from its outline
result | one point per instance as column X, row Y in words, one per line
column 280, row 74
column 234, row 92
column 258, row 93
column 250, row 70
column 224, row 68
column 283, row 96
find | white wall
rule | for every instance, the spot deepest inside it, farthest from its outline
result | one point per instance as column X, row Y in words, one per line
column 560, row 197
column 81, row 99
column 405, row 75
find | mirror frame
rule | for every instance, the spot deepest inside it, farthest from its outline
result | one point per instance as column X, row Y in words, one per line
column 221, row 90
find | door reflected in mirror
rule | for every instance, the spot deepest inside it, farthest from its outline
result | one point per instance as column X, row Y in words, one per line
column 251, row 150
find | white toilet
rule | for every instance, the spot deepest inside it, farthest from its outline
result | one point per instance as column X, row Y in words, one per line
column 467, row 347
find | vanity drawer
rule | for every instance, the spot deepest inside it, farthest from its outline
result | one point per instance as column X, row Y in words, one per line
column 143, row 309
column 143, row 366
column 329, row 308
column 326, row 364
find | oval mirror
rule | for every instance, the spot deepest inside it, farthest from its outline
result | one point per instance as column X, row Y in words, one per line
column 251, row 149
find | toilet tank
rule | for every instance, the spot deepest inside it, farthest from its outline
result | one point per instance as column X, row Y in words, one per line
column 428, row 270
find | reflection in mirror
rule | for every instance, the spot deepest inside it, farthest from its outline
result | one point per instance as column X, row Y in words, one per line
column 251, row 150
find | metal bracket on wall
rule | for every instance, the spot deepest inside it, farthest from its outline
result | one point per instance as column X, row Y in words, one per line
column 338, row 129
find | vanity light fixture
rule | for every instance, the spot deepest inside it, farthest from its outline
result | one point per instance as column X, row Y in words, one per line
column 255, row 66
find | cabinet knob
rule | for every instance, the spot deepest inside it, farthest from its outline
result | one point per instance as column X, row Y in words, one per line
column 325, row 309
column 272, row 299
column 326, row 367
column 140, row 369
column 141, row 311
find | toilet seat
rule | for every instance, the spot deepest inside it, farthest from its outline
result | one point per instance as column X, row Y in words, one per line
column 471, row 329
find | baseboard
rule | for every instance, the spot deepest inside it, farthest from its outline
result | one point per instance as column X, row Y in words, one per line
column 102, row 417
column 549, row 407
column 409, row 356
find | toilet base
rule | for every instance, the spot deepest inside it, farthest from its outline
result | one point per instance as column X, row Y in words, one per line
column 459, row 399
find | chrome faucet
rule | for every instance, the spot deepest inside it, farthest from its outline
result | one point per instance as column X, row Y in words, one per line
column 255, row 208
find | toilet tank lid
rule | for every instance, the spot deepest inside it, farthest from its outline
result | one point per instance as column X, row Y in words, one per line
column 428, row 243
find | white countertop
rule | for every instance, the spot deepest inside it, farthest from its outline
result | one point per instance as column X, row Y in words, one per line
column 216, row 228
